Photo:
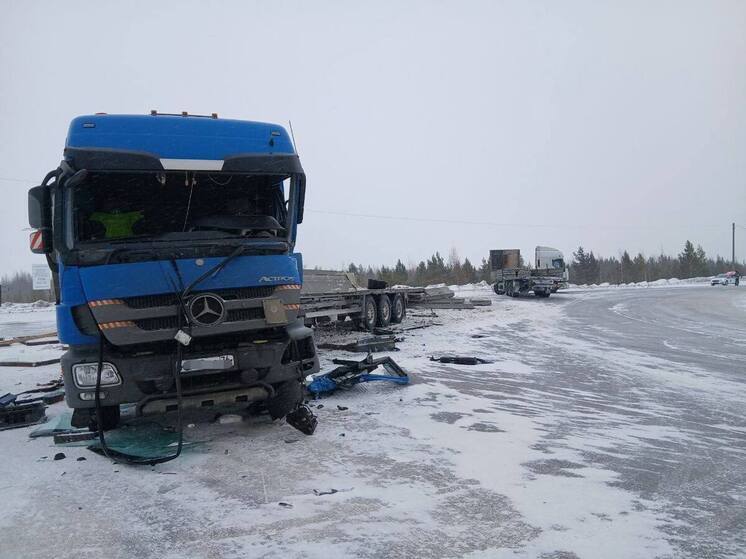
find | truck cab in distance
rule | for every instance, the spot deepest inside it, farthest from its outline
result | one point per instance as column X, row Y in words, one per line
column 512, row 278
column 171, row 242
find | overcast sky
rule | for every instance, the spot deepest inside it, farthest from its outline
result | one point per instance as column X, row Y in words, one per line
column 475, row 125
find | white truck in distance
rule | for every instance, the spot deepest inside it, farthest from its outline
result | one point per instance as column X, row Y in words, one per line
column 511, row 278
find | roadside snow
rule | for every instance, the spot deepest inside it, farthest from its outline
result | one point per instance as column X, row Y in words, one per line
column 467, row 461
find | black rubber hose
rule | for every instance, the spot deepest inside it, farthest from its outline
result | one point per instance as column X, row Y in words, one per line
column 123, row 456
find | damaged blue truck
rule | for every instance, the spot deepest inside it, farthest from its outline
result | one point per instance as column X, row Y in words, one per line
column 171, row 240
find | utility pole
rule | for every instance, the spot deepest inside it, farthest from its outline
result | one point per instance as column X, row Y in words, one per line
column 733, row 245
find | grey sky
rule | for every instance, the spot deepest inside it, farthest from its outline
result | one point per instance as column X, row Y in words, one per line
column 608, row 124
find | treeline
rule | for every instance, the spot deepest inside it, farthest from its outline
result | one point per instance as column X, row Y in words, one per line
column 692, row 262
column 436, row 269
column 18, row 288
column 585, row 268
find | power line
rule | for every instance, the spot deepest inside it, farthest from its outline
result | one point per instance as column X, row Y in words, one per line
column 496, row 224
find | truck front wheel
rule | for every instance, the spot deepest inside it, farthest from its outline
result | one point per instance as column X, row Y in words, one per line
column 109, row 418
column 287, row 396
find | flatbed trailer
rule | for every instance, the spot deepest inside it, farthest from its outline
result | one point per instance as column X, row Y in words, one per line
column 517, row 281
column 511, row 278
column 329, row 295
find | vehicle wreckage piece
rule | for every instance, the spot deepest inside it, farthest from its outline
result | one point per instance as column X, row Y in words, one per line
column 302, row 418
column 350, row 373
column 366, row 345
column 460, row 360
column 15, row 415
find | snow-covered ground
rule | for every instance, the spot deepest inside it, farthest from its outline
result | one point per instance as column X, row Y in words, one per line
column 608, row 424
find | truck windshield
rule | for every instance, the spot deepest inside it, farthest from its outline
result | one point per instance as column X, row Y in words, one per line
column 179, row 205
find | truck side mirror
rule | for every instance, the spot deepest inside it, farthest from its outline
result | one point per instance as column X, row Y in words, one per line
column 40, row 218
column 39, row 207
column 301, row 198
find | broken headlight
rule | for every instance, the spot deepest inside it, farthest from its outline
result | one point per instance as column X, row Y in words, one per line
column 85, row 374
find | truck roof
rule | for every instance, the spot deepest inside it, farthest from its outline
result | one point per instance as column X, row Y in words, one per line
column 178, row 137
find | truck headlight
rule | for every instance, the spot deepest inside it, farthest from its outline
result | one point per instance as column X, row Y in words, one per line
column 84, row 375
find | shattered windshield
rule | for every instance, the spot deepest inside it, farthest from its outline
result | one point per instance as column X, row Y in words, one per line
column 122, row 206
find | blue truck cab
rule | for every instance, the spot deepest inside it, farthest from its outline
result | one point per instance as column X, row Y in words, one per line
column 171, row 243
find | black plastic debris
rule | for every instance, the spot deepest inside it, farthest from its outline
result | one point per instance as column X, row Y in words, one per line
column 342, row 408
column 302, row 418
column 329, row 492
column 285, row 505
column 350, row 373
column 80, row 458
column 459, row 360
column 60, row 456
column 20, row 415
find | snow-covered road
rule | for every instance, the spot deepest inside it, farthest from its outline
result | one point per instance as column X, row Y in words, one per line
column 610, row 424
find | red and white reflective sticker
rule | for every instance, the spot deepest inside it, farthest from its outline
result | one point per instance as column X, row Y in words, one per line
column 36, row 240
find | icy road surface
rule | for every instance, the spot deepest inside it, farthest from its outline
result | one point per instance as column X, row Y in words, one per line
column 612, row 423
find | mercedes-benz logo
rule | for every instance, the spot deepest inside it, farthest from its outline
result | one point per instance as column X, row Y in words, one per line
column 207, row 309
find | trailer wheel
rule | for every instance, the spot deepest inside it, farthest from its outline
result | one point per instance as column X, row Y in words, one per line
column 497, row 289
column 384, row 311
column 398, row 309
column 287, row 396
column 369, row 315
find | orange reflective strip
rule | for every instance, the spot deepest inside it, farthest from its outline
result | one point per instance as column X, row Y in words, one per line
column 104, row 302
column 292, row 307
column 117, row 324
column 289, row 286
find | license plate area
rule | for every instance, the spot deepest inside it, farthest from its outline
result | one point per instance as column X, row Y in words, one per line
column 215, row 363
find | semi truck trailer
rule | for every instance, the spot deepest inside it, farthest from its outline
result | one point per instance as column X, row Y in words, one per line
column 171, row 240
column 512, row 278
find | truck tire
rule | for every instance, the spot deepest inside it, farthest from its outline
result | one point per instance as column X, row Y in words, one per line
column 497, row 289
column 398, row 309
column 369, row 316
column 384, row 311
column 287, row 396
column 109, row 418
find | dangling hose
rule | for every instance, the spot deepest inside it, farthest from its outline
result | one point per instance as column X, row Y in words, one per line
column 181, row 295
column 123, row 456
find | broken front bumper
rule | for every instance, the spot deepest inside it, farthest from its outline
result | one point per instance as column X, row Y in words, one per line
column 147, row 377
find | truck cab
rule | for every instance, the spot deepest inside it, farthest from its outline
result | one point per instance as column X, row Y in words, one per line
column 171, row 242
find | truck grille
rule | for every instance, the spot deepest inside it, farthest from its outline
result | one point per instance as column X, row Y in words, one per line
column 172, row 322
column 170, row 299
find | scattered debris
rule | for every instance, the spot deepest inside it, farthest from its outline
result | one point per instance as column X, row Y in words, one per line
column 286, row 505
column 439, row 297
column 29, row 363
column 60, row 456
column 329, row 492
column 230, row 418
column 342, row 408
column 320, row 406
column 460, row 360
column 80, row 459
column 24, row 339
column 350, row 373
column 366, row 345
column 302, row 418
column 290, row 441
column 75, row 437
column 15, row 415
